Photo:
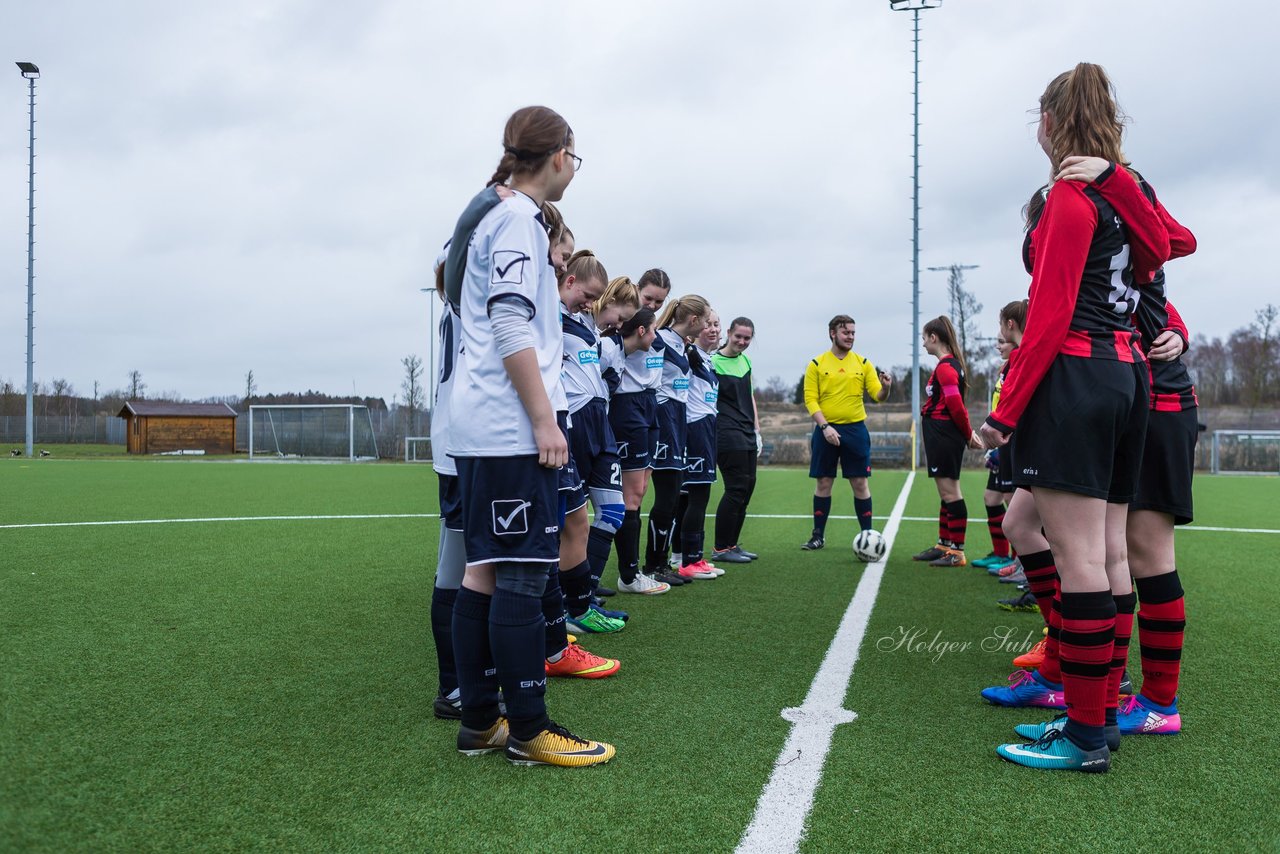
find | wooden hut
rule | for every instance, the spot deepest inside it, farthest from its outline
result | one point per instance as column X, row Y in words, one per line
column 157, row 428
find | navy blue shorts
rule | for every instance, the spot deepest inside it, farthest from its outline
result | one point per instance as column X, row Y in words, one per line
column 592, row 446
column 450, row 502
column 700, row 451
column 668, row 445
column 510, row 510
column 631, row 416
column 570, row 482
column 1084, row 429
column 854, row 453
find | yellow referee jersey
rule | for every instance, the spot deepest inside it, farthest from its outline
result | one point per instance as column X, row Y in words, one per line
column 836, row 386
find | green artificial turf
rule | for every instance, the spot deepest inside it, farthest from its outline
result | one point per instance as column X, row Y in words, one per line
column 267, row 684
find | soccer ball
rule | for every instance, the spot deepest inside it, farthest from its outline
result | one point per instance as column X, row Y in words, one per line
column 868, row 546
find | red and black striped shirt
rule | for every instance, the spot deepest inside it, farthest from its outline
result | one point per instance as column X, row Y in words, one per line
column 944, row 397
column 1085, row 258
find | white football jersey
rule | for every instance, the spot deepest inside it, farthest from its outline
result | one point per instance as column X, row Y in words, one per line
column 704, row 389
column 673, row 381
column 581, row 370
column 508, row 257
column 637, row 372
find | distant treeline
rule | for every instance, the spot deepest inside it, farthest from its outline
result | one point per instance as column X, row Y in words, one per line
column 59, row 398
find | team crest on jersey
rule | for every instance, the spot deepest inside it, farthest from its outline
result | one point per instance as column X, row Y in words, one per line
column 652, row 362
column 508, row 267
column 680, row 384
column 510, row 516
column 588, row 357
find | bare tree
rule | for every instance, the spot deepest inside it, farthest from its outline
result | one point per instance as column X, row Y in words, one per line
column 414, row 394
column 250, row 388
column 137, row 388
column 965, row 309
column 1253, row 351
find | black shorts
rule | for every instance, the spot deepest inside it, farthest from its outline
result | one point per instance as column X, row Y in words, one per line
column 1084, row 429
column 510, row 510
column 631, row 416
column 1168, row 460
column 669, row 442
column 450, row 502
column 592, row 447
column 854, row 453
column 943, row 447
column 700, row 451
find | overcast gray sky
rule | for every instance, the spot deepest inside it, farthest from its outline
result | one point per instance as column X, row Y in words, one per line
column 264, row 184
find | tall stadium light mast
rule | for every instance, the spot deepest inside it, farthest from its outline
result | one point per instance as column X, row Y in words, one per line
column 915, row 7
column 31, row 73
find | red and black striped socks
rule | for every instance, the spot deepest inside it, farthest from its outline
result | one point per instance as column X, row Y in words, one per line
column 1086, row 645
column 1162, row 620
column 995, row 525
column 957, row 522
column 1125, row 606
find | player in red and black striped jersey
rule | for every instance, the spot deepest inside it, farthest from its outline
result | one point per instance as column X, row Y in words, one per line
column 1163, row 497
column 946, row 429
column 1077, row 392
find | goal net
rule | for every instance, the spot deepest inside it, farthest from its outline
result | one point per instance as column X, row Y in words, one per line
column 1246, row 452
column 417, row 449
column 312, row 431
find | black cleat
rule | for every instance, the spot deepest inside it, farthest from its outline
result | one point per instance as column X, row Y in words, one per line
column 1126, row 685
column 815, row 542
column 446, row 709
column 606, row 592
column 930, row 554
column 667, row 577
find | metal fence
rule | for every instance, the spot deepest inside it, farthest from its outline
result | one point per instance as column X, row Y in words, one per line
column 64, row 429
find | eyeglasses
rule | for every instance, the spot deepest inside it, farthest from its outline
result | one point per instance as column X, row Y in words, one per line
column 577, row 161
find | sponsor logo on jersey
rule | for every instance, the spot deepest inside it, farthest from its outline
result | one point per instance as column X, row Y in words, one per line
column 652, row 362
column 588, row 357
column 680, row 384
column 711, row 396
column 508, row 267
column 510, row 516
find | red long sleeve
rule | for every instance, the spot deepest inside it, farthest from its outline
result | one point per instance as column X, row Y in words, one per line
column 1062, row 242
column 947, row 377
column 1148, row 235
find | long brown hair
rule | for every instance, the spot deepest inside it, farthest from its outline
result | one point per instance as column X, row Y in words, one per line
column 1015, row 311
column 620, row 291
column 531, row 136
column 1086, row 119
column 941, row 326
column 583, row 265
column 679, row 310
column 656, row 276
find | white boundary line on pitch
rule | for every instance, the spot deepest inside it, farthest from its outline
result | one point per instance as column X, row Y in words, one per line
column 339, row 517
column 224, row 519
column 778, row 824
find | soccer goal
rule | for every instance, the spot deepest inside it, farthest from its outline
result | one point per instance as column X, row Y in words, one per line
column 1245, row 452
column 312, row 431
column 417, row 449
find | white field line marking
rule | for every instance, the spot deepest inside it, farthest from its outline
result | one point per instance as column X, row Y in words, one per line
column 779, row 821
column 224, row 519
column 336, row 517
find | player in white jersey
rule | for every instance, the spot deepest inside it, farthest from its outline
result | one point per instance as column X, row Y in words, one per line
column 681, row 322
column 700, row 455
column 508, row 449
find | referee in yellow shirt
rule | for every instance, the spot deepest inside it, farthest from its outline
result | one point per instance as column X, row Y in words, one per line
column 834, row 384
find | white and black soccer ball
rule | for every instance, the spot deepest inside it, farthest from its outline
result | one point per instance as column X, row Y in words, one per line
column 868, row 546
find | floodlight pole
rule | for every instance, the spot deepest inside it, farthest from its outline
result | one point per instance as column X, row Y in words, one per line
column 915, row 7
column 30, row 72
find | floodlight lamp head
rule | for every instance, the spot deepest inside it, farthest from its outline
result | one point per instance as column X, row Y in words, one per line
column 28, row 70
column 913, row 5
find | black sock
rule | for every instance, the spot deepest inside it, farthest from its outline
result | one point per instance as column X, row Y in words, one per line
column 677, row 527
column 576, row 585
column 662, row 517
column 599, row 546
column 517, row 635
column 862, row 509
column 557, row 636
column 695, row 522
column 628, row 545
column 821, row 510
column 442, row 599
column 473, row 660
